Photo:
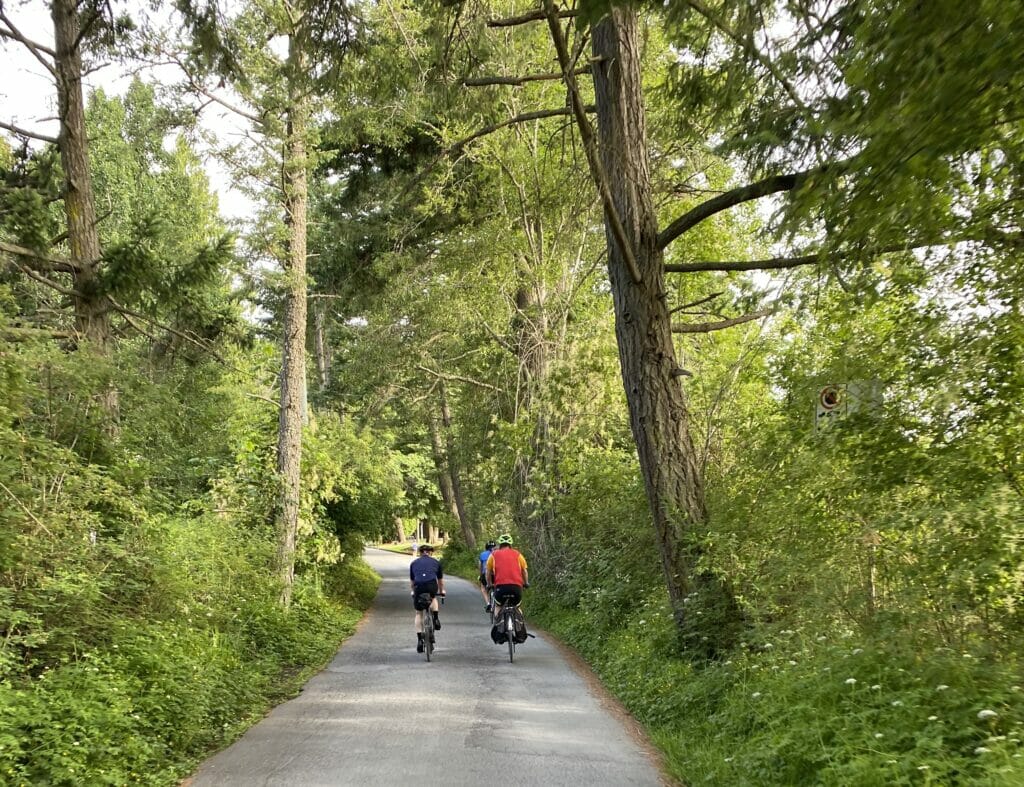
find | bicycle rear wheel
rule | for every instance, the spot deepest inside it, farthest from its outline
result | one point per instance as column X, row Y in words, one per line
column 428, row 633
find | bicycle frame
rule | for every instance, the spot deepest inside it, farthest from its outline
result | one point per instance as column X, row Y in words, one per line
column 508, row 625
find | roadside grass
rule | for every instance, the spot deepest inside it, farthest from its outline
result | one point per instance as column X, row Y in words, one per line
column 796, row 707
column 165, row 691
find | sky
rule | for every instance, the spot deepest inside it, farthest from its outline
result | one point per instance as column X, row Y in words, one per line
column 28, row 100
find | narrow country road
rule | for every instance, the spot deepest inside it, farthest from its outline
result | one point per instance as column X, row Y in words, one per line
column 379, row 714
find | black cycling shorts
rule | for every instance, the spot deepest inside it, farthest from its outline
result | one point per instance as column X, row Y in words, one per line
column 503, row 593
column 426, row 589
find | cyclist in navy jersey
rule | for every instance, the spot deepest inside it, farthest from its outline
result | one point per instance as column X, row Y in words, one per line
column 426, row 578
column 483, row 575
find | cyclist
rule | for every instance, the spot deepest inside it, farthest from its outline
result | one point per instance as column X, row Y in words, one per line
column 507, row 573
column 426, row 577
column 483, row 574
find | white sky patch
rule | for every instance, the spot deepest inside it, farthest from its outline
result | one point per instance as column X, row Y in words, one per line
column 28, row 100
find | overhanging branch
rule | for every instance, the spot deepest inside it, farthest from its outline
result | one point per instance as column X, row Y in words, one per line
column 458, row 378
column 39, row 261
column 531, row 16
column 708, row 327
column 779, row 263
column 730, row 199
column 519, row 80
column 540, row 114
column 37, row 49
column 597, row 171
column 775, row 263
column 24, row 132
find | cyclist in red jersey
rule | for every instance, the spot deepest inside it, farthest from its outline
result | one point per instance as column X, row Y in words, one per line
column 507, row 572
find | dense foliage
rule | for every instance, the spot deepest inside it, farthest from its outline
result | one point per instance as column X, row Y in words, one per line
column 465, row 376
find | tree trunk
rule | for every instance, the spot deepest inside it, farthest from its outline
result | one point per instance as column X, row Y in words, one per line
column 659, row 416
column 532, row 504
column 293, row 351
column 92, row 317
column 444, row 479
column 462, row 515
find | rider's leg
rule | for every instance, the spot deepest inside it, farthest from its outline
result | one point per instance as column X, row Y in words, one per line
column 433, row 611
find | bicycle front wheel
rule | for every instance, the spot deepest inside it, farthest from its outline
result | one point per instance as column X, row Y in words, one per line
column 510, row 634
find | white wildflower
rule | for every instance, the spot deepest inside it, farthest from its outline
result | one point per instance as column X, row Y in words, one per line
column 755, row 695
column 896, row 703
column 879, row 735
column 858, row 651
column 941, row 687
column 923, row 767
column 851, row 681
column 876, row 687
column 933, row 718
column 981, row 750
column 987, row 714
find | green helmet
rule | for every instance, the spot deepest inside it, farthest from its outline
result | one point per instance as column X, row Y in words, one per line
column 504, row 540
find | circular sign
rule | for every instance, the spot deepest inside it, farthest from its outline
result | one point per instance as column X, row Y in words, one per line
column 830, row 397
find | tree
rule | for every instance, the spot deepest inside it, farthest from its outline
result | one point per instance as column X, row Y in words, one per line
column 280, row 95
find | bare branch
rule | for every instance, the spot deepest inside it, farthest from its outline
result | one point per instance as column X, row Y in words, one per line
column 690, row 305
column 730, row 199
column 23, row 132
column 37, row 49
column 213, row 97
column 531, row 16
column 775, row 263
column 523, row 118
column 48, row 282
column 517, row 81
column 126, row 312
column 458, row 378
column 707, row 327
column 778, row 263
column 39, row 261
column 590, row 143
column 274, row 402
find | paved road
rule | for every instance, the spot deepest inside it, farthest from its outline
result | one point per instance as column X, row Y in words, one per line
column 381, row 715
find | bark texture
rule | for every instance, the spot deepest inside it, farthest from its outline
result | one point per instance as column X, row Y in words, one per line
column 293, row 351
column 659, row 416
column 448, row 470
column 92, row 316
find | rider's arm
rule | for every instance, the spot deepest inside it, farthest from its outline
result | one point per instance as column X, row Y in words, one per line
column 490, row 570
column 440, row 578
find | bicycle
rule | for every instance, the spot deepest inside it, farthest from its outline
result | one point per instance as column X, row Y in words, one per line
column 428, row 628
column 508, row 626
column 493, row 605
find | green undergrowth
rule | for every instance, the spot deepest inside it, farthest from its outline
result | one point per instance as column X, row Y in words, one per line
column 159, row 688
column 808, row 707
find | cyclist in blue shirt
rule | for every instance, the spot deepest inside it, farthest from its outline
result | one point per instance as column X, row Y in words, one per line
column 483, row 575
column 426, row 577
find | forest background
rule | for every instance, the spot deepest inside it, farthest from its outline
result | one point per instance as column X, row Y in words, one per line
column 715, row 305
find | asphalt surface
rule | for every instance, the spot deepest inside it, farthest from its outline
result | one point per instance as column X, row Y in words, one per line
column 379, row 714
